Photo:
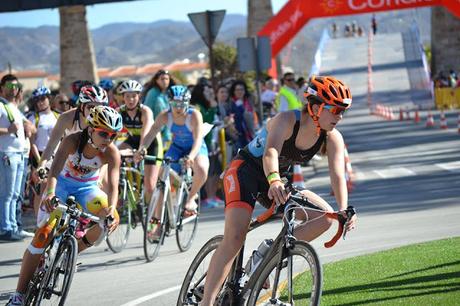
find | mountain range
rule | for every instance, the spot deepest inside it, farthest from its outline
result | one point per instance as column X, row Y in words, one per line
column 164, row 41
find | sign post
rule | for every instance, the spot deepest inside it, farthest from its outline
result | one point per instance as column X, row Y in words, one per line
column 254, row 57
column 207, row 25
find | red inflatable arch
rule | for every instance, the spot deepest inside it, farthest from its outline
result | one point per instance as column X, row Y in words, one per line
column 282, row 27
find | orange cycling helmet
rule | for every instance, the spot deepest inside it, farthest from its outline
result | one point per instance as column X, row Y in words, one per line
column 328, row 90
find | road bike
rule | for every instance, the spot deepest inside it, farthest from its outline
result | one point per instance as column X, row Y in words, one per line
column 173, row 216
column 51, row 281
column 290, row 273
column 130, row 207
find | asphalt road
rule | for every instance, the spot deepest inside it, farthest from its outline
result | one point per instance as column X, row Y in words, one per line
column 407, row 182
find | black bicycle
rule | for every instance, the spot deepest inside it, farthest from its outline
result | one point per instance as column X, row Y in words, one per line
column 51, row 281
column 290, row 272
column 173, row 216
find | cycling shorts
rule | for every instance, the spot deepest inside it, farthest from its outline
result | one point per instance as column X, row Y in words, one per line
column 155, row 149
column 175, row 153
column 244, row 183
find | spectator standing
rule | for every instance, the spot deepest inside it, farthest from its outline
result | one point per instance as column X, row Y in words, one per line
column 61, row 103
column 243, row 112
column 203, row 97
column 12, row 143
column 287, row 98
column 374, row 24
column 268, row 98
column 155, row 97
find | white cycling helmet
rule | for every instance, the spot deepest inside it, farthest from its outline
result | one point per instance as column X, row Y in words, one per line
column 93, row 94
column 130, row 86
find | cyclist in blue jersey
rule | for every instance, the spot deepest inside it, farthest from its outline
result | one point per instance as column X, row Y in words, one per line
column 290, row 137
column 186, row 125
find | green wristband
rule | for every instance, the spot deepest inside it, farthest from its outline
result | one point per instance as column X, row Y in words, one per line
column 273, row 176
column 50, row 191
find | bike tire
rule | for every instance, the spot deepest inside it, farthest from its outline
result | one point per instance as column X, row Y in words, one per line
column 306, row 278
column 64, row 263
column 152, row 246
column 186, row 227
column 33, row 288
column 191, row 292
column 117, row 240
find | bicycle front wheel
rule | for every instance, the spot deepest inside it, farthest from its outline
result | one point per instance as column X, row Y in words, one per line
column 186, row 224
column 118, row 239
column 300, row 278
column 191, row 292
column 56, row 285
column 154, row 231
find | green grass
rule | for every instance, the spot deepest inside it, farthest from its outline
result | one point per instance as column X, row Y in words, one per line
column 421, row 274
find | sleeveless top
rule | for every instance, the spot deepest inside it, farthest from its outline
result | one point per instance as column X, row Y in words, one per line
column 182, row 134
column 82, row 170
column 289, row 155
column 133, row 125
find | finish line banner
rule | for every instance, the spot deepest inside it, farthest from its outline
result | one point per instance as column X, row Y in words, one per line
column 296, row 13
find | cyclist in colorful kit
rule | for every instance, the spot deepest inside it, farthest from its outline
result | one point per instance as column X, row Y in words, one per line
column 74, row 172
column 186, row 126
column 255, row 173
column 138, row 119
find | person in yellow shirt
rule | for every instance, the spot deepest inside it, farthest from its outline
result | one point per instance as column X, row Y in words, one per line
column 287, row 98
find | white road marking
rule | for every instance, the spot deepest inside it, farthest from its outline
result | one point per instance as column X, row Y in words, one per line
column 394, row 172
column 151, row 296
column 452, row 166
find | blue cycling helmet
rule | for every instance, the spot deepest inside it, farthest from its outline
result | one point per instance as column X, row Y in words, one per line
column 41, row 91
column 179, row 93
column 107, row 84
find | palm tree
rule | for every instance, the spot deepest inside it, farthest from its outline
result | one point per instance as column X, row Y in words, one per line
column 259, row 12
column 77, row 52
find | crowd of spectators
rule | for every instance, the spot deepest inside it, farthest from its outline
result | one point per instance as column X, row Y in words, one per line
column 444, row 80
column 231, row 107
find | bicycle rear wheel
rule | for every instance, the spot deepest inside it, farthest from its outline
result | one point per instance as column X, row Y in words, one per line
column 192, row 288
column 117, row 240
column 186, row 225
column 57, row 281
column 154, row 232
column 300, row 279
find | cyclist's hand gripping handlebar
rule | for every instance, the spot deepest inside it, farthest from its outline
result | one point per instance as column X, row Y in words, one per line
column 349, row 212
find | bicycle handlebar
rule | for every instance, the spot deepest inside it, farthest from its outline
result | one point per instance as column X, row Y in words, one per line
column 336, row 215
column 70, row 208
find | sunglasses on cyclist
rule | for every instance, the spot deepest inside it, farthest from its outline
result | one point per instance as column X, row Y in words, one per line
column 106, row 134
column 178, row 104
column 40, row 98
column 335, row 110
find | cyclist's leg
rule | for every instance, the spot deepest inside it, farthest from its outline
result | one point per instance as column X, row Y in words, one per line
column 317, row 223
column 239, row 185
column 236, row 224
column 93, row 200
column 200, row 174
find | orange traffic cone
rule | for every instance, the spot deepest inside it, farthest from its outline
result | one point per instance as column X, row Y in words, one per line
column 443, row 124
column 401, row 114
column 297, row 178
column 416, row 117
column 429, row 120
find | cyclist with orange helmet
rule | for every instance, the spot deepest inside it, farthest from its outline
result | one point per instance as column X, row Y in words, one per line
column 290, row 137
column 74, row 172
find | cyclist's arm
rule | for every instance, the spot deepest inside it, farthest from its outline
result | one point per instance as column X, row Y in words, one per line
column 336, row 161
column 64, row 122
column 147, row 120
column 278, row 130
column 67, row 146
column 160, row 121
column 112, row 157
column 197, row 130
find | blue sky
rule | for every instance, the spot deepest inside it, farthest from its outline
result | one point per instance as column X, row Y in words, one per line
column 133, row 11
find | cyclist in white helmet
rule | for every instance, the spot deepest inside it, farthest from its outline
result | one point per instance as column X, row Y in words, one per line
column 138, row 119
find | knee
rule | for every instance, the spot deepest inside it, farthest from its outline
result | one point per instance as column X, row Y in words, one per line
column 201, row 172
column 232, row 243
